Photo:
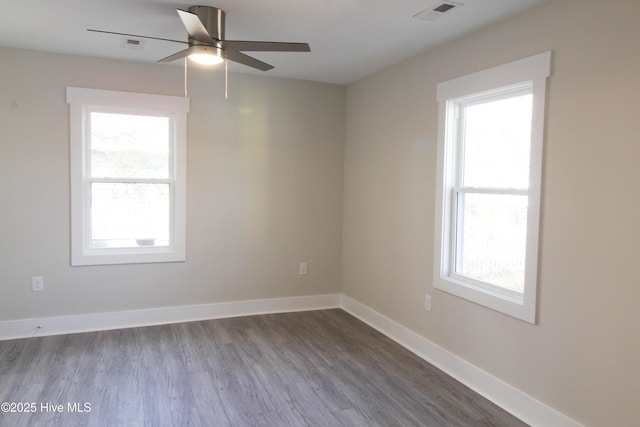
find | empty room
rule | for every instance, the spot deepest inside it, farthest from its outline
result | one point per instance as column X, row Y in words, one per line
column 331, row 213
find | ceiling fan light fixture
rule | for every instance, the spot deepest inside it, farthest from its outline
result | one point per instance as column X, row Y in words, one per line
column 206, row 55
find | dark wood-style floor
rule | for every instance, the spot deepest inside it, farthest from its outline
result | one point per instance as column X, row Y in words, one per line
column 318, row 368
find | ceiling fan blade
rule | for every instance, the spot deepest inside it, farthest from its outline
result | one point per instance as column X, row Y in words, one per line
column 136, row 35
column 195, row 27
column 255, row 46
column 246, row 60
column 175, row 56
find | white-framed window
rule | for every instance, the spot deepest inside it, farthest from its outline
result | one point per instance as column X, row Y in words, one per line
column 128, row 177
column 490, row 138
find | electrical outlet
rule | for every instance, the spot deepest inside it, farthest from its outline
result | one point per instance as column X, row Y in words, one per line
column 427, row 302
column 302, row 269
column 37, row 284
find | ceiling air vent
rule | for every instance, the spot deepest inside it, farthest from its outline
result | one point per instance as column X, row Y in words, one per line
column 437, row 10
column 131, row 43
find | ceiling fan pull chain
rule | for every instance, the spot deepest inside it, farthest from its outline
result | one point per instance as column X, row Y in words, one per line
column 185, row 78
column 226, row 79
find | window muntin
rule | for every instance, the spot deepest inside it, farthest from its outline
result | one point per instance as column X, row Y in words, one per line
column 488, row 189
column 128, row 177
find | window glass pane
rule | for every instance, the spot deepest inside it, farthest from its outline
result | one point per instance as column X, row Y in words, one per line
column 125, row 215
column 126, row 145
column 497, row 139
column 492, row 237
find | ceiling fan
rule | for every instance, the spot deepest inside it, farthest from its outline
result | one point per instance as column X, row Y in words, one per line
column 205, row 26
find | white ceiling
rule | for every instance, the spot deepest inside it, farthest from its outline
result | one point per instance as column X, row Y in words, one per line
column 349, row 39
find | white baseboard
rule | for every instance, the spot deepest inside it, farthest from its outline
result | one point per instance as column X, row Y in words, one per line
column 25, row 328
column 507, row 397
column 512, row 400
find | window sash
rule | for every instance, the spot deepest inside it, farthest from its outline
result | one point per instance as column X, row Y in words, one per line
column 455, row 253
column 123, row 179
column 458, row 138
column 135, row 112
column 89, row 217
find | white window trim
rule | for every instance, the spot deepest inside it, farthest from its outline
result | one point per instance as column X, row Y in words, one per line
column 534, row 69
column 81, row 101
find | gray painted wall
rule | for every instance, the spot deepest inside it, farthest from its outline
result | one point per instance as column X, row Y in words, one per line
column 583, row 356
column 264, row 189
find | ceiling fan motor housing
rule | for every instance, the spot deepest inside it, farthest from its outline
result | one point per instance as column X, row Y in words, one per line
column 212, row 18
